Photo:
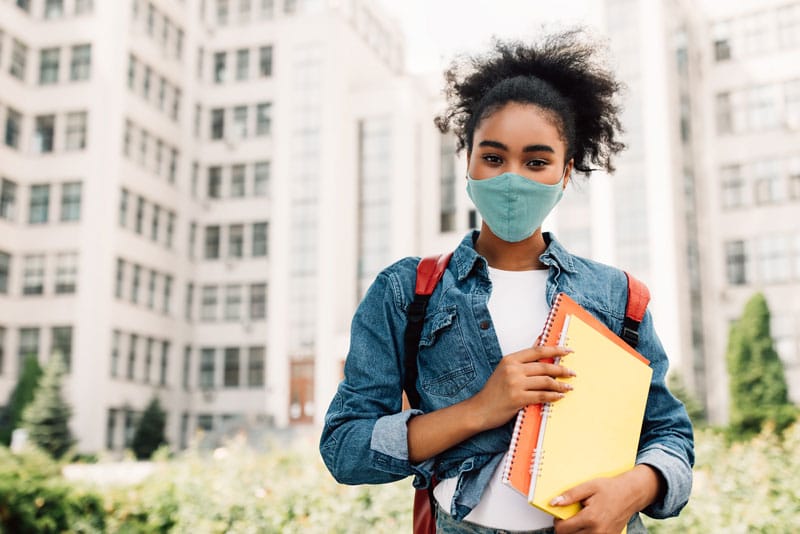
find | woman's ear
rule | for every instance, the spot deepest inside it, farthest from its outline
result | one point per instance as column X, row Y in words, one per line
column 568, row 171
column 468, row 157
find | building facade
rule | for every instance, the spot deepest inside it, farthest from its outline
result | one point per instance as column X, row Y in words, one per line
column 194, row 195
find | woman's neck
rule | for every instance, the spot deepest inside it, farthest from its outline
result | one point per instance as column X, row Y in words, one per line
column 520, row 256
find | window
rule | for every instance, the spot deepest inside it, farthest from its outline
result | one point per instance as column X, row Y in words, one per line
column 179, row 44
column 81, row 64
column 139, row 223
column 258, row 301
column 205, row 422
column 212, row 242
column 187, row 368
column 261, row 178
column 111, row 428
column 255, row 367
column 25, row 5
column 135, row 283
column 33, row 275
column 131, row 71
column 208, row 304
column 5, row 268
column 28, row 346
column 733, row 189
column 71, row 201
column 189, row 301
column 222, row 12
column 774, row 259
column 767, row 181
column 217, row 123
column 19, row 56
column 173, row 165
column 144, row 140
column 267, row 9
column 13, row 126
column 162, row 93
column 736, row 263
column 207, row 368
column 155, row 221
column 115, row 342
column 120, row 283
column 263, row 120
column 724, row 114
column 259, row 239
column 66, row 272
column 126, row 139
column 148, row 75
column 214, row 182
column 231, row 378
column 39, row 204
column 2, row 348
column 164, row 367
column 83, row 6
column 151, row 290
column 242, row 64
column 233, row 302
column 176, row 105
column 235, row 241
column 151, row 19
column 123, row 208
column 44, row 133
column 721, row 32
column 76, row 131
column 61, row 343
column 219, row 67
column 265, row 61
column 192, row 235
column 167, row 294
column 53, row 9
column 170, row 228
column 48, row 66
column 237, row 181
column 244, row 11
column 8, row 199
column 134, row 340
column 240, row 122
column 148, row 359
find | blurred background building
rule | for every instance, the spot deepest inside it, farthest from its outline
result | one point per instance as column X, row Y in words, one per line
column 195, row 194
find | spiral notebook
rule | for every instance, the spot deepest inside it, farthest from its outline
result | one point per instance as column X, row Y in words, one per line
column 521, row 450
column 594, row 430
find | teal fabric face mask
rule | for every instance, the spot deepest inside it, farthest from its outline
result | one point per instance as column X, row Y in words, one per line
column 513, row 206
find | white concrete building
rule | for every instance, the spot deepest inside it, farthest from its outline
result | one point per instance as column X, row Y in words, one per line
column 194, row 194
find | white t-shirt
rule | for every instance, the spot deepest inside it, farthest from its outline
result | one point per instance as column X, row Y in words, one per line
column 518, row 308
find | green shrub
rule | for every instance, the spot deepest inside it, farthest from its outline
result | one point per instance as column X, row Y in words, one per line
column 149, row 434
column 35, row 498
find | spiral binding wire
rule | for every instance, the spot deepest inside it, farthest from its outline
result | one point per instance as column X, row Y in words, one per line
column 548, row 326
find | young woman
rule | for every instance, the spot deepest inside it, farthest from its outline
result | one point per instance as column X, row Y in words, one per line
column 529, row 116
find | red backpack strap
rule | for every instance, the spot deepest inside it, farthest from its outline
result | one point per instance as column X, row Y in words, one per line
column 429, row 272
column 638, row 297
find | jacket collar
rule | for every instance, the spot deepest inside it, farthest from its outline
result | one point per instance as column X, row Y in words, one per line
column 465, row 256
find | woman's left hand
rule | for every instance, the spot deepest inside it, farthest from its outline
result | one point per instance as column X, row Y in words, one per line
column 609, row 503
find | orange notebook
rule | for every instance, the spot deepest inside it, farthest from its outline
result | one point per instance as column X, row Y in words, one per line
column 519, row 462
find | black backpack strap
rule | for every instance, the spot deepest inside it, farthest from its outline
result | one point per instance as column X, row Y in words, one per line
column 429, row 272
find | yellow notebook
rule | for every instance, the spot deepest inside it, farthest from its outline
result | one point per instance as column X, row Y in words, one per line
column 594, row 430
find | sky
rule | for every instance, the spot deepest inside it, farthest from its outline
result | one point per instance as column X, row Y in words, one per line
column 436, row 30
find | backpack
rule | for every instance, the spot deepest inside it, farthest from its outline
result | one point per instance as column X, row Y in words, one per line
column 429, row 272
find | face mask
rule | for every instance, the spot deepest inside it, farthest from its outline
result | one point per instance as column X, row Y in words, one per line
column 512, row 205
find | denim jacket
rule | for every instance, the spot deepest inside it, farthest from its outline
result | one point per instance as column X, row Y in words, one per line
column 364, row 439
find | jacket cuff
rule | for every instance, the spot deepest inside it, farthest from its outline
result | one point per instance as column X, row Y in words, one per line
column 389, row 448
column 677, row 475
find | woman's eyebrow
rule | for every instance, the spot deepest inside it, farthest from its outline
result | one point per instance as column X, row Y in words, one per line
column 494, row 144
column 538, row 148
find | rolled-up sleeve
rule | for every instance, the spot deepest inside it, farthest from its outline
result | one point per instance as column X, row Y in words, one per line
column 667, row 439
column 365, row 436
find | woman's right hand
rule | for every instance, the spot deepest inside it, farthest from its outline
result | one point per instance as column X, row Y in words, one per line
column 521, row 378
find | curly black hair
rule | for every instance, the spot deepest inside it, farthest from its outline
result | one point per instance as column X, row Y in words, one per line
column 560, row 74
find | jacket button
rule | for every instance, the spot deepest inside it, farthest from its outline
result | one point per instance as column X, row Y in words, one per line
column 484, row 325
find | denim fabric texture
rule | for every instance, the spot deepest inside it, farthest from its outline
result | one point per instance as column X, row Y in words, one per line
column 364, row 439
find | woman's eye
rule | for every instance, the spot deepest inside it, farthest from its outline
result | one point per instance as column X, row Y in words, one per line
column 491, row 158
column 537, row 163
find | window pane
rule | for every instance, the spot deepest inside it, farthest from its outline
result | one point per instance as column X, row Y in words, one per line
column 71, row 201
column 44, row 133
column 33, row 275
column 81, row 65
column 212, row 242
column 261, row 178
column 259, row 239
column 66, row 272
column 76, row 131
column 8, row 198
column 237, row 181
column 233, row 302
column 39, row 204
column 242, row 64
column 263, row 119
column 208, row 304
column 255, row 367
column 236, row 241
column 265, row 61
column 231, row 367
column 48, row 65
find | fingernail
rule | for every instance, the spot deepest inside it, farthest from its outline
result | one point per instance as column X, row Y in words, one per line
column 568, row 386
column 565, row 349
column 557, row 501
column 571, row 372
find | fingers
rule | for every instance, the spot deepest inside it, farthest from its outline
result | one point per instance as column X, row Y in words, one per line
column 538, row 353
column 579, row 493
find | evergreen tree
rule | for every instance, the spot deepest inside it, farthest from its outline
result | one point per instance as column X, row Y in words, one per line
column 149, row 434
column 20, row 397
column 47, row 417
column 758, row 390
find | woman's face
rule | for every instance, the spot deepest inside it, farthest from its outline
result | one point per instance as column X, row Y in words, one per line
column 519, row 138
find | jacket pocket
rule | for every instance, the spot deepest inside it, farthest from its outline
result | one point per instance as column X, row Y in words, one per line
column 445, row 366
